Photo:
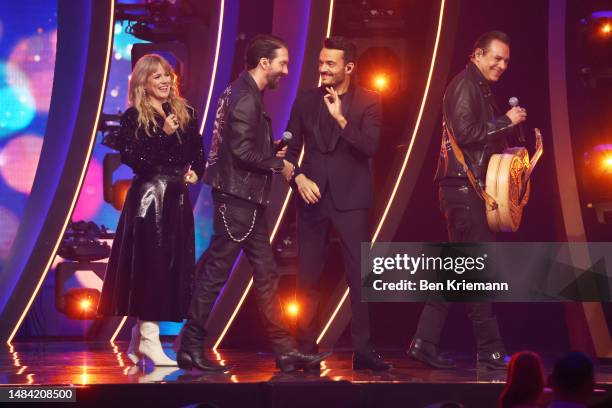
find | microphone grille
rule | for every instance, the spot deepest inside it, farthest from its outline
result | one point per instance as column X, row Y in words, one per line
column 287, row 135
column 513, row 101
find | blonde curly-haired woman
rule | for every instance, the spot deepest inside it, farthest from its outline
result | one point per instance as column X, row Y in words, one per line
column 150, row 270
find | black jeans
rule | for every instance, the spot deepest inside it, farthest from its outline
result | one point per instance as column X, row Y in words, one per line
column 219, row 259
column 314, row 221
column 466, row 222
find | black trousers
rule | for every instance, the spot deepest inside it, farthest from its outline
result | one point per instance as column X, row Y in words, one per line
column 217, row 264
column 314, row 221
column 466, row 222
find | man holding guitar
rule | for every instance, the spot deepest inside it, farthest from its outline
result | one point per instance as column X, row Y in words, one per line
column 474, row 129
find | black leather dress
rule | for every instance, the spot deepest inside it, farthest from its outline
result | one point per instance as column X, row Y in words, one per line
column 150, row 270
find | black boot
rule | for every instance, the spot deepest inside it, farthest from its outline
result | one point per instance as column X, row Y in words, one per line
column 309, row 368
column 427, row 353
column 293, row 360
column 191, row 354
column 494, row 360
column 369, row 360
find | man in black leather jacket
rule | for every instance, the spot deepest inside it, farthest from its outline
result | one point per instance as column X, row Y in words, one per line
column 480, row 130
column 239, row 169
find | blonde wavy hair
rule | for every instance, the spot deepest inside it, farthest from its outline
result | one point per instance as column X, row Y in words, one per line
column 137, row 97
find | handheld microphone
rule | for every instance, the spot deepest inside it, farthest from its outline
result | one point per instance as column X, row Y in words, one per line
column 287, row 136
column 167, row 108
column 514, row 102
column 168, row 111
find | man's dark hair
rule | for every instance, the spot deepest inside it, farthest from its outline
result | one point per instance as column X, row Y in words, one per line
column 262, row 46
column 572, row 374
column 341, row 43
column 485, row 40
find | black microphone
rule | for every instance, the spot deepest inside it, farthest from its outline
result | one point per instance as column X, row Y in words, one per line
column 167, row 108
column 168, row 111
column 287, row 136
column 514, row 102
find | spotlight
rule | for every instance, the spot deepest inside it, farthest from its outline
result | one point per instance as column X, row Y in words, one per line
column 381, row 82
column 80, row 303
column 380, row 70
column 606, row 163
column 293, row 309
column 597, row 180
column 85, row 304
column 78, row 286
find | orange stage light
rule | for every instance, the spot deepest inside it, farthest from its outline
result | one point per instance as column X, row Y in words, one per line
column 85, row 304
column 606, row 163
column 293, row 309
column 606, row 29
column 381, row 82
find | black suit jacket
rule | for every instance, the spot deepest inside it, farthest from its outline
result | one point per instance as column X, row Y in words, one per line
column 340, row 165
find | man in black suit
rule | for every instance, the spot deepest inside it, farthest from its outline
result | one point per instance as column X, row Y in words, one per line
column 338, row 124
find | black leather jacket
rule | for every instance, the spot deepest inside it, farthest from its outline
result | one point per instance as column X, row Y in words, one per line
column 481, row 130
column 242, row 155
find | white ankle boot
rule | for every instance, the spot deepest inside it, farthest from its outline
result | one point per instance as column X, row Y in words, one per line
column 132, row 351
column 150, row 345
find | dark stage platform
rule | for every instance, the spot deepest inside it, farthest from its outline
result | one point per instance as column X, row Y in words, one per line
column 103, row 375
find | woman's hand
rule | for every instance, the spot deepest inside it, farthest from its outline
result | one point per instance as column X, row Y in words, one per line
column 170, row 124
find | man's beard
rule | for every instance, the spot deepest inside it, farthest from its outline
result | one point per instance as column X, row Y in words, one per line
column 330, row 80
column 273, row 80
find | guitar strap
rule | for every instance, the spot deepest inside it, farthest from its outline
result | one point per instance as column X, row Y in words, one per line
column 486, row 197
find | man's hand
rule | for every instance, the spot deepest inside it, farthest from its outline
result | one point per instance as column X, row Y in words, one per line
column 517, row 115
column 170, row 124
column 334, row 106
column 308, row 189
column 190, row 177
column 282, row 152
column 287, row 170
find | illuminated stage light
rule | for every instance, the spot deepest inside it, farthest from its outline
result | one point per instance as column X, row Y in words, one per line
column 381, row 82
column 81, row 303
column 19, row 160
column 292, row 309
column 606, row 163
column 85, row 304
column 386, row 81
column 35, row 57
column 606, row 29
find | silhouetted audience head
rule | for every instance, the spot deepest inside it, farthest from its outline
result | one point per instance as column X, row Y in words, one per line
column 572, row 379
column 525, row 381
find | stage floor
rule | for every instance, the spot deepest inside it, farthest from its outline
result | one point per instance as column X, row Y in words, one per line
column 103, row 373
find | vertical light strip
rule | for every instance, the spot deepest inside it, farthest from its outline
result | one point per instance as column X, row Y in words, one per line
column 211, row 87
column 280, row 214
column 118, row 329
column 213, row 74
column 330, row 18
column 404, row 164
column 75, row 197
